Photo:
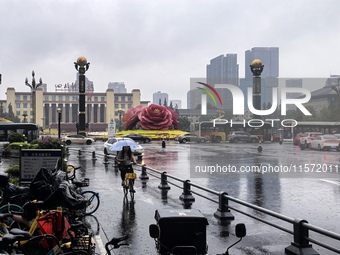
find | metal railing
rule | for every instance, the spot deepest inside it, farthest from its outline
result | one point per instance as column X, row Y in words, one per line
column 301, row 228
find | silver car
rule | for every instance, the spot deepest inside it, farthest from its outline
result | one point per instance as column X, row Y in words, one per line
column 241, row 136
column 111, row 149
column 77, row 139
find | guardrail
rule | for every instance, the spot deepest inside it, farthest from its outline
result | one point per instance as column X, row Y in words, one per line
column 301, row 228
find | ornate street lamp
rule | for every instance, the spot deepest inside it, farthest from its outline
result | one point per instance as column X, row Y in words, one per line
column 81, row 66
column 25, row 118
column 33, row 86
column 256, row 68
column 59, row 119
column 120, row 119
column 337, row 90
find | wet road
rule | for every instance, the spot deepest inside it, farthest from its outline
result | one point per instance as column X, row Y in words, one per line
column 298, row 194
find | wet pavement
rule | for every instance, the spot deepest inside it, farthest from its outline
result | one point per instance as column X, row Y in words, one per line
column 297, row 195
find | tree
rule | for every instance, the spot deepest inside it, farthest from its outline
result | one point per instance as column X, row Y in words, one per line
column 209, row 106
column 10, row 115
column 171, row 107
column 160, row 101
column 176, row 110
column 184, row 123
column 165, row 102
column 1, row 110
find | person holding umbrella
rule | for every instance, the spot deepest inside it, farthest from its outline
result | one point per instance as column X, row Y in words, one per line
column 125, row 158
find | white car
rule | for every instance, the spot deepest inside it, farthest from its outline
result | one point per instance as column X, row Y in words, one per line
column 308, row 137
column 323, row 142
column 77, row 139
column 113, row 145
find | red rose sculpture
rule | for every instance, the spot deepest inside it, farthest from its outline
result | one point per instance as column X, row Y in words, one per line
column 175, row 121
column 155, row 117
column 130, row 118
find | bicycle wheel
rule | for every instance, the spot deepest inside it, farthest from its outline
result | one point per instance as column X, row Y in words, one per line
column 125, row 189
column 91, row 223
column 93, row 201
column 10, row 208
column 132, row 191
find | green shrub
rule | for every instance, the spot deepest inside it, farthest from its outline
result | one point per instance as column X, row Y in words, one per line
column 13, row 174
column 16, row 137
column 17, row 145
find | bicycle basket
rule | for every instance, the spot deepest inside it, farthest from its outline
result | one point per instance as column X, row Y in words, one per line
column 85, row 242
column 83, row 183
column 131, row 176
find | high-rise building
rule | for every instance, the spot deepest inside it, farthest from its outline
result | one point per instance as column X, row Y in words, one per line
column 160, row 98
column 269, row 77
column 221, row 70
column 118, row 87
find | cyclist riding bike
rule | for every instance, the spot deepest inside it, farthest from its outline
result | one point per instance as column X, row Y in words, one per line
column 125, row 159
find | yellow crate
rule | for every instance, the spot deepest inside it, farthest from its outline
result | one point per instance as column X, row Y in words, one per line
column 131, row 176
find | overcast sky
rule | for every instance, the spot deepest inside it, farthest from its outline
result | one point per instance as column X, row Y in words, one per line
column 157, row 45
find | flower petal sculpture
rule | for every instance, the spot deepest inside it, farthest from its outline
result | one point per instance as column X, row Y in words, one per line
column 175, row 121
column 130, row 118
column 155, row 117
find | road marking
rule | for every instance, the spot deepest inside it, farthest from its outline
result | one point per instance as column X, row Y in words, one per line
column 332, row 182
column 99, row 244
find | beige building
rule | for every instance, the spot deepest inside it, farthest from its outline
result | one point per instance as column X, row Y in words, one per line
column 101, row 107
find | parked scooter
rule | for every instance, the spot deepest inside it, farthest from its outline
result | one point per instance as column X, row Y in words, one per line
column 181, row 231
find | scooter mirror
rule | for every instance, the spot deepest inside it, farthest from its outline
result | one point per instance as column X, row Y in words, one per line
column 240, row 230
column 154, row 231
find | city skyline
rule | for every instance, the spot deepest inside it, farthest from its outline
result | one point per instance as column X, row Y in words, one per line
column 153, row 45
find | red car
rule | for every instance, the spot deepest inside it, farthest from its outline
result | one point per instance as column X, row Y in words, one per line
column 297, row 139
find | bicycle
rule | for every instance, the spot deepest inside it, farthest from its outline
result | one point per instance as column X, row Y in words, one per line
column 128, row 183
column 91, row 196
column 78, row 240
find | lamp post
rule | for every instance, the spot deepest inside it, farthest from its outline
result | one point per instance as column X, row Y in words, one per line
column 337, row 90
column 256, row 68
column 33, row 86
column 120, row 119
column 81, row 66
column 25, row 118
column 59, row 119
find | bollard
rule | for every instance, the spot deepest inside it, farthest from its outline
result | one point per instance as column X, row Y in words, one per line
column 302, row 146
column 163, row 144
column 186, row 196
column 106, row 159
column 144, row 175
column 300, row 245
column 94, row 155
column 223, row 213
column 259, row 148
column 164, row 182
column 79, row 153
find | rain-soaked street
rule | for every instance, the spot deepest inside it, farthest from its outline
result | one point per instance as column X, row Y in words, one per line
column 302, row 187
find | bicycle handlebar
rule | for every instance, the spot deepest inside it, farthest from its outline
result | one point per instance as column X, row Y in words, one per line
column 115, row 242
